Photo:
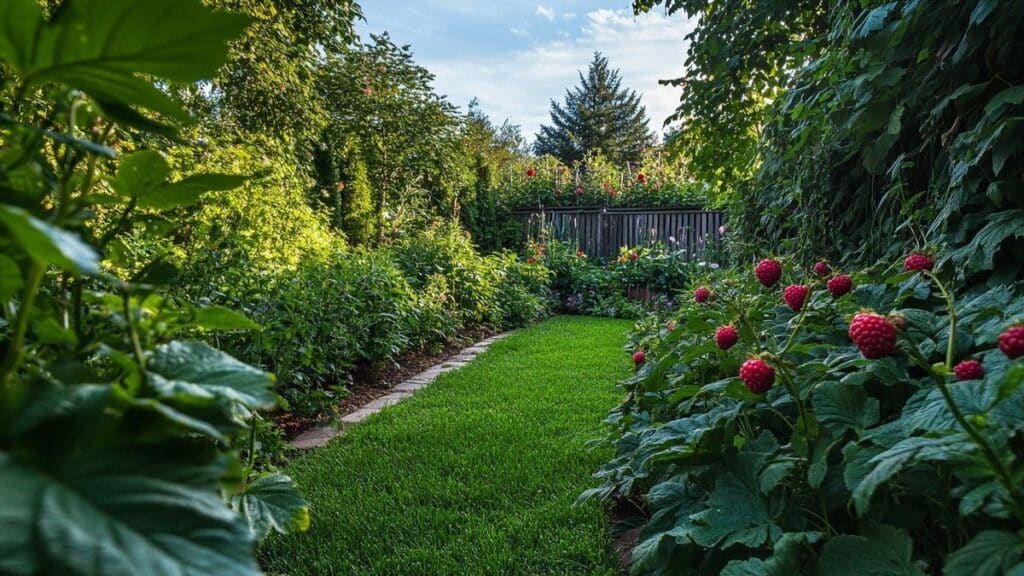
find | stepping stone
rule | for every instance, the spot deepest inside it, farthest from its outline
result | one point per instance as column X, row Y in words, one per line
column 314, row 438
column 385, row 401
column 358, row 416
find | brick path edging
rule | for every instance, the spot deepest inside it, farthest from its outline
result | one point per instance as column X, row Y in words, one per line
column 316, row 437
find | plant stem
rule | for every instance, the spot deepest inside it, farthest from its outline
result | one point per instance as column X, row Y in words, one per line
column 951, row 345
column 14, row 354
column 133, row 334
column 252, row 446
column 990, row 454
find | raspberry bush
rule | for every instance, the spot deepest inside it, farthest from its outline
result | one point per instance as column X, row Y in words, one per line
column 877, row 433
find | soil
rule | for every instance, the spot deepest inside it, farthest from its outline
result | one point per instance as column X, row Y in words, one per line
column 626, row 518
column 362, row 392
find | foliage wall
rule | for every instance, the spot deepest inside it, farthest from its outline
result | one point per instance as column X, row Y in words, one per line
column 845, row 125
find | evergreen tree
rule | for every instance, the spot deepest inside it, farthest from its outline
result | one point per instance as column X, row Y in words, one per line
column 599, row 116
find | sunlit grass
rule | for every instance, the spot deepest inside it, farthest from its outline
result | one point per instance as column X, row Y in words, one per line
column 477, row 474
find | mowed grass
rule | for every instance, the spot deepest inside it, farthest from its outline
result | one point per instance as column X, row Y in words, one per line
column 476, row 474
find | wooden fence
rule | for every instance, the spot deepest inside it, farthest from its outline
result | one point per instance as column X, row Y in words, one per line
column 601, row 232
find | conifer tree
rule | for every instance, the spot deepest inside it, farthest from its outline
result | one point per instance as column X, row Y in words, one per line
column 598, row 116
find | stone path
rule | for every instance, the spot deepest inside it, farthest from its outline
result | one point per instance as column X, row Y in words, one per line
column 316, row 437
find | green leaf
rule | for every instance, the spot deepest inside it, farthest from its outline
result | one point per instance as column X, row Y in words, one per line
column 1010, row 96
column 979, row 253
column 990, row 553
column 19, row 21
column 10, row 278
column 194, row 369
column 784, row 561
column 189, row 190
column 911, row 451
column 221, row 318
column 177, row 40
column 880, row 551
column 272, row 502
column 840, row 407
column 48, row 244
column 874, row 20
column 124, row 510
column 140, row 173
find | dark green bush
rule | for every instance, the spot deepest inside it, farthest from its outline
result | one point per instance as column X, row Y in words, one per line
column 847, row 465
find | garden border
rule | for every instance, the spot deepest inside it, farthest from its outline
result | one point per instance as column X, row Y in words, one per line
column 321, row 435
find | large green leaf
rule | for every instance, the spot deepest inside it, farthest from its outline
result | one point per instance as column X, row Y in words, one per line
column 121, row 511
column 272, row 502
column 221, row 318
column 47, row 244
column 880, row 551
column 145, row 176
column 194, row 374
column 102, row 46
column 990, row 553
column 840, row 407
column 10, row 278
column 909, row 452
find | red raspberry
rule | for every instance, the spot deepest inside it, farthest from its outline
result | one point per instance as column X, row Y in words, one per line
column 917, row 262
column 726, row 337
column 795, row 295
column 822, row 269
column 701, row 295
column 768, row 272
column 969, row 370
column 840, row 285
column 531, row 172
column 873, row 335
column 639, row 357
column 1011, row 342
column 757, row 375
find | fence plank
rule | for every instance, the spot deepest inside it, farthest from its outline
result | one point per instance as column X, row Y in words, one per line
column 601, row 232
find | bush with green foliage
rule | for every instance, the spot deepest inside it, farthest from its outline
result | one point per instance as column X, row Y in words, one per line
column 846, row 465
column 119, row 436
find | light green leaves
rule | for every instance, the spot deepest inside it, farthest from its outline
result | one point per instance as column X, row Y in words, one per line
column 145, row 176
column 48, row 244
column 104, row 46
column 272, row 502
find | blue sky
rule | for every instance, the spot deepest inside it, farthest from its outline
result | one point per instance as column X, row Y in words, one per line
column 516, row 55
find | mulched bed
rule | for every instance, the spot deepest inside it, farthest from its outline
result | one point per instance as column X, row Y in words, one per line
column 362, row 393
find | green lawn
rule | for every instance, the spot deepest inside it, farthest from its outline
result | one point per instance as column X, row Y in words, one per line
column 476, row 474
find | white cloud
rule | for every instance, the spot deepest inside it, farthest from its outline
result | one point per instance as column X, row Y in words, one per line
column 546, row 12
column 519, row 31
column 520, row 85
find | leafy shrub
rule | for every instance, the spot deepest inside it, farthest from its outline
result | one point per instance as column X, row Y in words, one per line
column 523, row 295
column 119, row 438
column 446, row 249
column 846, row 465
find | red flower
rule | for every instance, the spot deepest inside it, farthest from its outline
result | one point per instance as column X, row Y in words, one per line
column 530, row 260
column 579, row 191
column 639, row 357
column 531, row 172
column 641, row 177
column 581, row 254
column 558, row 191
column 633, row 256
column 340, row 186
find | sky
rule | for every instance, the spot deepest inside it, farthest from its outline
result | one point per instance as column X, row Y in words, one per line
column 518, row 55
